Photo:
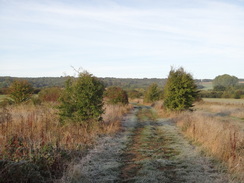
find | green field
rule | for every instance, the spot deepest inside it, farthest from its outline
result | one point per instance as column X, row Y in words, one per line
column 207, row 85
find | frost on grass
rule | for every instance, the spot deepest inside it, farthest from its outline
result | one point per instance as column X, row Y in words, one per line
column 187, row 165
column 145, row 151
column 161, row 154
column 102, row 163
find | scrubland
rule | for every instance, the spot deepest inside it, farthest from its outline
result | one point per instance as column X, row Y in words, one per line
column 140, row 147
column 34, row 145
column 147, row 149
column 219, row 129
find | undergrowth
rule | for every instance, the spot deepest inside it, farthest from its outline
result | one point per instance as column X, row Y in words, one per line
column 35, row 147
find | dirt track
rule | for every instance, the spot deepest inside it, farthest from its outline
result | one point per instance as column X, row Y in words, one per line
column 146, row 150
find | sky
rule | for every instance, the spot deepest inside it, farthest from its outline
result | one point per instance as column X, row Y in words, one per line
column 121, row 38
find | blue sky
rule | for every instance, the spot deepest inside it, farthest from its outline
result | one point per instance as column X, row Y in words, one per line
column 121, row 38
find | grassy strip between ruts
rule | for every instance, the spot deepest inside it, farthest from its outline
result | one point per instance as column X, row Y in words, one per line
column 156, row 152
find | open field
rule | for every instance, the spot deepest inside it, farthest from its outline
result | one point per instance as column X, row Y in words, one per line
column 224, row 101
column 207, row 85
column 218, row 126
column 205, row 145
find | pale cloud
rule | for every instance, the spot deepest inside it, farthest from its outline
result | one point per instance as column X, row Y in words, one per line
column 153, row 33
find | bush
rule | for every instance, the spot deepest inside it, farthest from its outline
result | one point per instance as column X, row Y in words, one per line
column 82, row 99
column 180, row 90
column 133, row 94
column 210, row 94
column 50, row 94
column 153, row 93
column 116, row 95
column 20, row 91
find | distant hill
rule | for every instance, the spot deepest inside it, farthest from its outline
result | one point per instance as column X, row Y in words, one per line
column 43, row 82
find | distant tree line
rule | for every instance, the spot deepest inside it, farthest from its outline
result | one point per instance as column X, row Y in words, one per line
column 47, row 82
column 40, row 82
column 225, row 86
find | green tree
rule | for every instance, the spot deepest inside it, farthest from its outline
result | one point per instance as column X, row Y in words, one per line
column 180, row 90
column 82, row 99
column 20, row 91
column 152, row 93
column 116, row 95
column 221, row 82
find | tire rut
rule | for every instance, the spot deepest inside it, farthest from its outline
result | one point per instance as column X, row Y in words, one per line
column 148, row 150
column 157, row 152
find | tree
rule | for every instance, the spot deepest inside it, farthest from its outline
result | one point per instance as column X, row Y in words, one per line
column 180, row 90
column 152, row 93
column 221, row 82
column 82, row 99
column 116, row 95
column 20, row 91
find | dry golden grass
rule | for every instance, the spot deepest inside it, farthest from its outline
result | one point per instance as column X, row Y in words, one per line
column 112, row 117
column 234, row 110
column 162, row 112
column 26, row 130
column 220, row 138
column 227, row 101
column 137, row 100
column 39, row 125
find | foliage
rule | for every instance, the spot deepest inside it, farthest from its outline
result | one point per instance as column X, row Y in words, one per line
column 152, row 93
column 180, row 90
column 222, row 82
column 3, row 91
column 210, row 94
column 116, row 95
column 82, row 99
column 47, row 160
column 133, row 94
column 132, row 83
column 232, row 92
column 47, row 82
column 22, row 171
column 50, row 94
column 20, row 91
column 40, row 82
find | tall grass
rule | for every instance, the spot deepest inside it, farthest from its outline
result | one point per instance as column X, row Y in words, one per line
column 225, row 109
column 225, row 101
column 220, row 138
column 34, row 134
column 112, row 117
